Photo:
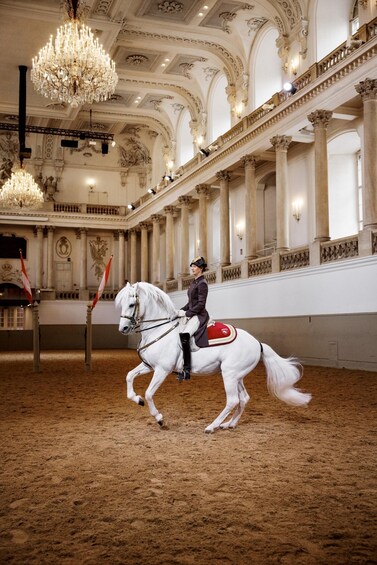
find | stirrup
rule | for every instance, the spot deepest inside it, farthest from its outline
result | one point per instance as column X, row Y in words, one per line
column 183, row 375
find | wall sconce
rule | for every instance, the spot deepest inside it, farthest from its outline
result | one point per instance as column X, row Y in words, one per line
column 131, row 206
column 91, row 183
column 297, row 209
column 240, row 230
column 168, row 178
column 238, row 110
column 294, row 65
column 151, row 191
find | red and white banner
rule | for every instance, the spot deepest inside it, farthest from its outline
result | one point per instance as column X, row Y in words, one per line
column 25, row 280
column 103, row 282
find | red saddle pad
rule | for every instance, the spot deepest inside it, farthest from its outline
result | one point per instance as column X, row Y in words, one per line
column 220, row 334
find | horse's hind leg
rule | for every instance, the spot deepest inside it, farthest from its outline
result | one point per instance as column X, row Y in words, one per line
column 139, row 370
column 232, row 400
column 244, row 399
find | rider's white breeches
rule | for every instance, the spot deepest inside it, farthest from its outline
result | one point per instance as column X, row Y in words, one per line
column 191, row 326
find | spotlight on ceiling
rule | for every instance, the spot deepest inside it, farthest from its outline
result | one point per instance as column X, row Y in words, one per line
column 130, row 206
column 289, row 87
column 168, row 177
column 73, row 143
column 105, row 148
column 151, row 191
column 204, row 152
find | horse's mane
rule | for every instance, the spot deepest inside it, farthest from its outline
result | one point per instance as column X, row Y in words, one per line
column 150, row 291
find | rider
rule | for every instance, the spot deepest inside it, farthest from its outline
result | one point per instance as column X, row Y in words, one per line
column 196, row 313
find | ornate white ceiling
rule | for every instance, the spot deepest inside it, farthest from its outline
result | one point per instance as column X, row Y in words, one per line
column 166, row 52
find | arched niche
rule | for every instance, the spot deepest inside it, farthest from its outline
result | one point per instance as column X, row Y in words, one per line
column 219, row 113
column 264, row 68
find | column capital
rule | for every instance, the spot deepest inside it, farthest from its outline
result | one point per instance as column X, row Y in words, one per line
column 249, row 161
column 38, row 229
column 281, row 142
column 134, row 230
column 185, row 200
column 144, row 225
column 170, row 210
column 156, row 218
column 80, row 231
column 223, row 175
column 320, row 118
column 202, row 189
column 367, row 89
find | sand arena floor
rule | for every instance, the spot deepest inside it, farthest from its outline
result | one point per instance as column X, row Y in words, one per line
column 89, row 478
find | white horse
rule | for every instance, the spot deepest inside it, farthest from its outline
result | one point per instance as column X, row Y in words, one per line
column 148, row 310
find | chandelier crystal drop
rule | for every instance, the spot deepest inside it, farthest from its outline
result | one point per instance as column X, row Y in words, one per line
column 75, row 68
column 21, row 191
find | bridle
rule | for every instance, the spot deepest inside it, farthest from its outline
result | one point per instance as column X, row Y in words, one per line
column 136, row 320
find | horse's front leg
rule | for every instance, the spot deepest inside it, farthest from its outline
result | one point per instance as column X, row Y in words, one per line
column 158, row 378
column 139, row 370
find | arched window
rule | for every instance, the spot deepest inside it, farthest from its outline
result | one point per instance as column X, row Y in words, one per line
column 185, row 147
column 266, row 71
column 219, row 116
column 332, row 25
column 344, row 185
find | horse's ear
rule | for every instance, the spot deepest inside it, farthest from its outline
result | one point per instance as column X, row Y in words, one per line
column 136, row 287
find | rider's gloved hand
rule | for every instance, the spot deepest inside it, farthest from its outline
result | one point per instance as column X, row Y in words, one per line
column 178, row 314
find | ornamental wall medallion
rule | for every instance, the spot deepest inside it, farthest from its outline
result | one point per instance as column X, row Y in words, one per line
column 63, row 247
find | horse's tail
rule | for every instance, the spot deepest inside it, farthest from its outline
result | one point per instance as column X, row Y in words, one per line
column 282, row 374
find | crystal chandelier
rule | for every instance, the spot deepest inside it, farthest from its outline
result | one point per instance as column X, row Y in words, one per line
column 74, row 69
column 21, row 191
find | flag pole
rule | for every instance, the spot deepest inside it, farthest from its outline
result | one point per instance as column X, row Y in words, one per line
column 36, row 341
column 89, row 309
column 88, row 338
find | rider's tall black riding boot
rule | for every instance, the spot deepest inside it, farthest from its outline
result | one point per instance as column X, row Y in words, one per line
column 185, row 341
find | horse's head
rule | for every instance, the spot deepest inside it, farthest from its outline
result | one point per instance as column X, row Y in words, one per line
column 127, row 300
column 140, row 301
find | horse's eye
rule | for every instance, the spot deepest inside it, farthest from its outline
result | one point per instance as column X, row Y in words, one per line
column 131, row 305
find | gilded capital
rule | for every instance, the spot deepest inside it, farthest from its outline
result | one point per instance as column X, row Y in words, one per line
column 320, row 118
column 223, row 175
column 367, row 89
column 281, row 142
column 249, row 161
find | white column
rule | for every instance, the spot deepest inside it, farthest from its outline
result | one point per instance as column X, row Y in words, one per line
column 121, row 259
column 203, row 193
column 144, row 226
column 320, row 120
column 281, row 144
column 50, row 257
column 81, row 234
column 368, row 92
column 39, row 262
column 133, row 265
column 249, row 162
column 156, row 219
column 169, row 214
column 185, row 204
column 224, row 178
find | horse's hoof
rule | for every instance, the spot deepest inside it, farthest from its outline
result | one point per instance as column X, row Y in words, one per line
column 161, row 423
column 209, row 431
column 140, row 402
